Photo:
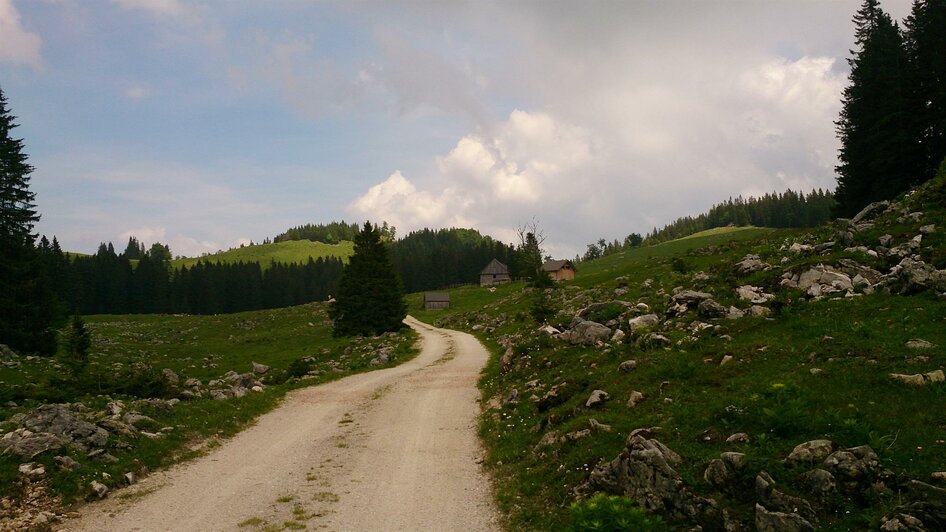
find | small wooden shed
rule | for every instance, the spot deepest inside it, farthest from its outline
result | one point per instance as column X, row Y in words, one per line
column 436, row 300
column 494, row 273
column 559, row 270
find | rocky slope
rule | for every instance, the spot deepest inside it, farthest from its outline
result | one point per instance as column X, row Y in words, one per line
column 785, row 383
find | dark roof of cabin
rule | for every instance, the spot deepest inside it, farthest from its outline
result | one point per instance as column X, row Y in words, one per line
column 495, row 268
column 435, row 297
column 556, row 265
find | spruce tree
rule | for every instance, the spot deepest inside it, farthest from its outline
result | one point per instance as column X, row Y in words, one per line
column 28, row 308
column 370, row 299
column 879, row 154
column 925, row 41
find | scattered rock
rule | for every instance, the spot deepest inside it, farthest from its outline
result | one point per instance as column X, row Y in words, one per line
column 753, row 294
column 810, row 451
column 735, row 460
column 99, row 490
column 920, row 379
column 819, row 483
column 690, row 298
column 871, row 211
column 917, row 343
column 597, row 398
column 549, row 438
column 594, row 425
column 718, row 474
column 627, row 366
column 28, row 445
column 170, row 377
column 618, row 336
column 654, row 341
column 642, row 322
column 726, row 360
column 138, row 420
column 773, row 499
column 116, row 426
column 766, row 521
column 511, row 397
column 758, row 311
column 67, row 463
column 635, row 399
column 32, row 470
column 710, row 309
column 739, row 437
column 548, row 330
column 928, row 229
column 925, row 509
column 856, row 469
column 752, row 263
column 586, row 333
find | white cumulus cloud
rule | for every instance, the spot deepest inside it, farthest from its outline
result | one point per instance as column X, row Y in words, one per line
column 18, row 44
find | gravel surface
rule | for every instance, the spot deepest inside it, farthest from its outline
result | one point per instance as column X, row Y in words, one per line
column 393, row 449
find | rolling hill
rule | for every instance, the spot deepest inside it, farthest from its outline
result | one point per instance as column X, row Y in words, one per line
column 289, row 252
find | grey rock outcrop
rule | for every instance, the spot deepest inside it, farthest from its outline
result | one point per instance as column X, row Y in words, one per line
column 857, row 469
column 642, row 322
column 27, row 444
column 59, row 420
column 645, row 472
column 766, row 521
column 871, row 211
column 710, row 309
column 810, row 451
column 752, row 263
column 587, row 333
column 924, row 509
column 597, row 398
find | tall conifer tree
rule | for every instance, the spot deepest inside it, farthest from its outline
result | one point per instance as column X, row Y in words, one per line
column 925, row 41
column 370, row 299
column 28, row 308
column 880, row 154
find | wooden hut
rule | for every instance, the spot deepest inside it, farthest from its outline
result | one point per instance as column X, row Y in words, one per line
column 436, row 300
column 559, row 270
column 494, row 273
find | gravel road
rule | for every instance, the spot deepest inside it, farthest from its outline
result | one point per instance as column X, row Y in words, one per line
column 393, row 449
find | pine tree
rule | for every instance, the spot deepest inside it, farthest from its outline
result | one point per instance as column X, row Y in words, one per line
column 17, row 210
column 925, row 42
column 879, row 154
column 75, row 353
column 370, row 299
column 28, row 308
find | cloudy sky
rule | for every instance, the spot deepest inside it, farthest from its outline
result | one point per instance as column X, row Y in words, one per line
column 208, row 123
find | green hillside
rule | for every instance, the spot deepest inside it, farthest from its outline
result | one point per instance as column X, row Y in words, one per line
column 801, row 365
column 289, row 252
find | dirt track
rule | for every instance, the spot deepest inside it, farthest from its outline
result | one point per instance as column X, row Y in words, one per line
column 393, row 449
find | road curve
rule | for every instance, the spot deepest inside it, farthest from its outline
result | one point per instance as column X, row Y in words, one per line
column 392, row 449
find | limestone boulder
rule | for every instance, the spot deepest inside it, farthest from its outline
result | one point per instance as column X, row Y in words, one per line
column 646, row 321
column 645, row 472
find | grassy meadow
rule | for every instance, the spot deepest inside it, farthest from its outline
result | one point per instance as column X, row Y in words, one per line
column 128, row 353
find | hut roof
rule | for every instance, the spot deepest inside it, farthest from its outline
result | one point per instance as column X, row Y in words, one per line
column 436, row 297
column 556, row 265
column 495, row 268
